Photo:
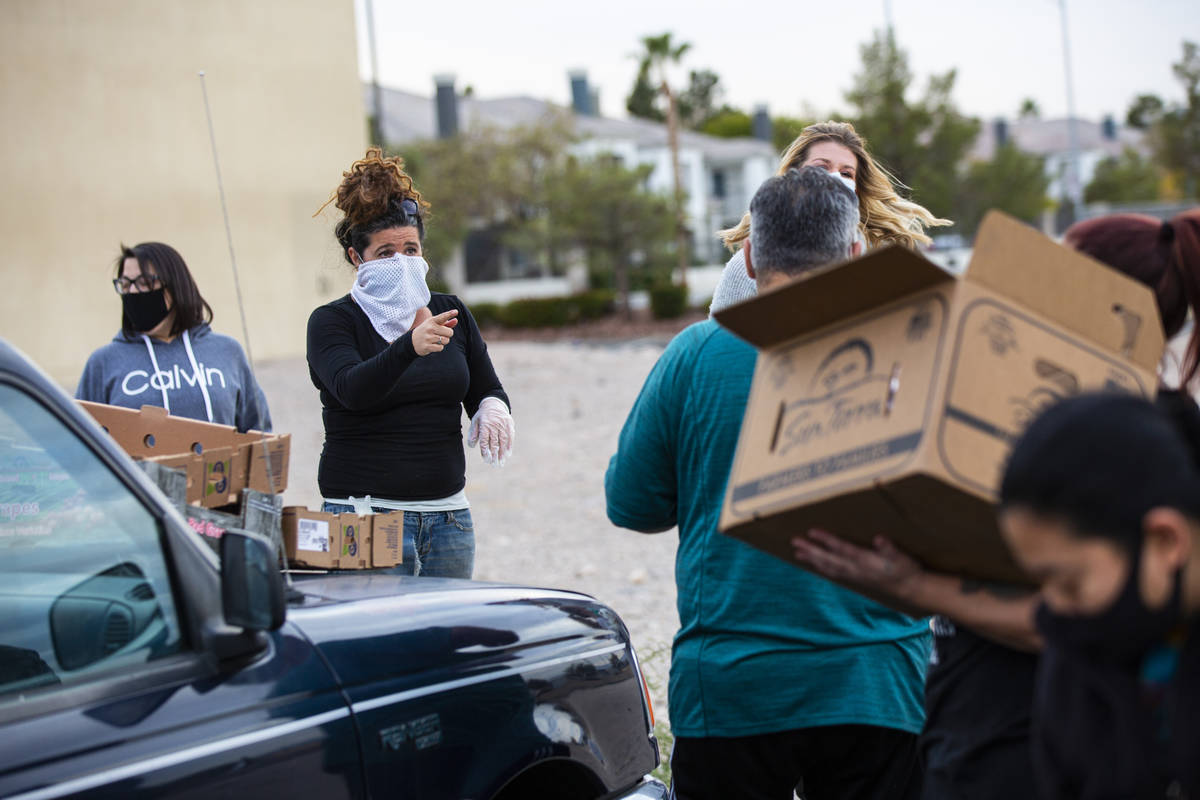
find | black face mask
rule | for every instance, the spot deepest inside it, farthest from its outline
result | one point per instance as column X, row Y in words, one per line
column 145, row 310
column 1125, row 631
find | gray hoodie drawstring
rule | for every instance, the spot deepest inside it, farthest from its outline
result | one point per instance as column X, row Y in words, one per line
column 199, row 376
column 187, row 345
column 157, row 373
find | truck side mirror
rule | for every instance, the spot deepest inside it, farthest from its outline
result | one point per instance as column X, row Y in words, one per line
column 251, row 584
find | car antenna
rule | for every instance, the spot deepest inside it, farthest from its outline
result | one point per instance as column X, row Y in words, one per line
column 237, row 285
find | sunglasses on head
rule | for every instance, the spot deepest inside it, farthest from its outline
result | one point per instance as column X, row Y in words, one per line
column 412, row 213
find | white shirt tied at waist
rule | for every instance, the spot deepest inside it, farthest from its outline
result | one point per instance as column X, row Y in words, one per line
column 365, row 505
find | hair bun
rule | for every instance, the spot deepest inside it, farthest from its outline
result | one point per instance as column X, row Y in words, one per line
column 370, row 186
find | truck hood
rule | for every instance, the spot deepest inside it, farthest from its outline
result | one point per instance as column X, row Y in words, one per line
column 405, row 631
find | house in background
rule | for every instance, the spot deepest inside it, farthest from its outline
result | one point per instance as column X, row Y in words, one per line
column 1051, row 139
column 719, row 177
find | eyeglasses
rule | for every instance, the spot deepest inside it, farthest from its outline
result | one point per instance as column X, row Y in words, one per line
column 144, row 283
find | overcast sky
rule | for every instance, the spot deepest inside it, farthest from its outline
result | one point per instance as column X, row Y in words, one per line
column 792, row 55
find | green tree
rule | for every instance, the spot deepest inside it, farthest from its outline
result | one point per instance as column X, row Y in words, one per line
column 698, row 103
column 485, row 176
column 1130, row 178
column 658, row 54
column 643, row 97
column 522, row 181
column 784, row 131
column 604, row 208
column 1029, row 109
column 1013, row 181
column 1144, row 111
column 1178, row 134
column 1174, row 130
column 728, row 124
column 923, row 141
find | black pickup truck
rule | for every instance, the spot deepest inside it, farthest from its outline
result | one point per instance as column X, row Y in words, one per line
column 136, row 663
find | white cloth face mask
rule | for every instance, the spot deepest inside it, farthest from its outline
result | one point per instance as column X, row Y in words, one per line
column 848, row 182
column 390, row 291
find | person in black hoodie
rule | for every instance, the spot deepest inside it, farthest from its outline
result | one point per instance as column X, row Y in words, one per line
column 396, row 365
column 1100, row 503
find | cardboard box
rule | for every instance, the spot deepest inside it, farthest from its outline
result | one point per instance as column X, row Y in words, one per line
column 263, row 460
column 311, row 538
column 355, row 541
column 888, row 392
column 387, row 539
column 222, row 482
column 192, row 465
column 231, row 461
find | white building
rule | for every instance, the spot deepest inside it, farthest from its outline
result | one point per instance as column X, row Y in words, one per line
column 1051, row 139
column 719, row 176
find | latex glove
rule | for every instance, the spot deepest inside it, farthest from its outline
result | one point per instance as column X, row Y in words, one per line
column 492, row 428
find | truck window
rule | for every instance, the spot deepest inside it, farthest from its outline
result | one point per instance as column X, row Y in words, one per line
column 84, row 587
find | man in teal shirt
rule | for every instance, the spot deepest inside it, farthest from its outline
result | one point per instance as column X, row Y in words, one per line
column 777, row 676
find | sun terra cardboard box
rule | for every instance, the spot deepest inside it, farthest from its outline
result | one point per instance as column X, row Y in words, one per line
column 230, row 461
column 888, row 392
column 311, row 538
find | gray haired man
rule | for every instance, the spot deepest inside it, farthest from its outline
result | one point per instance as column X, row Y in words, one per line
column 798, row 222
column 777, row 676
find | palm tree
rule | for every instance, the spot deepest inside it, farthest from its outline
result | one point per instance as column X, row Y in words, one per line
column 659, row 53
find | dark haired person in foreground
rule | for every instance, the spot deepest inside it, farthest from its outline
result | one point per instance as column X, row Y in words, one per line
column 980, row 685
column 1100, row 503
column 166, row 354
column 777, row 675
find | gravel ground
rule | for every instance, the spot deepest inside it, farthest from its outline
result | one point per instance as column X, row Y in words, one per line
column 540, row 520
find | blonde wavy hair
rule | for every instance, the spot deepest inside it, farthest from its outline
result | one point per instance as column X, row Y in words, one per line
column 884, row 216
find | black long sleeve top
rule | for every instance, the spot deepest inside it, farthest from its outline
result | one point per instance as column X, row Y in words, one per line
column 393, row 420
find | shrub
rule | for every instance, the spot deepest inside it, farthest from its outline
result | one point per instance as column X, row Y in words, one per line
column 537, row 312
column 486, row 313
column 595, row 303
column 554, row 312
column 668, row 300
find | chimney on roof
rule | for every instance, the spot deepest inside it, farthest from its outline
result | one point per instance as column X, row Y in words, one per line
column 446, row 105
column 1000, row 131
column 581, row 96
column 760, row 124
column 1108, row 128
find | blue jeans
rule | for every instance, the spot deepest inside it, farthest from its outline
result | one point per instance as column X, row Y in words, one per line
column 437, row 544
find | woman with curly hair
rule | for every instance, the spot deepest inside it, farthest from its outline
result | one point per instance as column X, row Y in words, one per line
column 396, row 365
column 884, row 216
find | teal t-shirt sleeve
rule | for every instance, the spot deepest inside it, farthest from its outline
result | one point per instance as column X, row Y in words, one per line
column 641, row 484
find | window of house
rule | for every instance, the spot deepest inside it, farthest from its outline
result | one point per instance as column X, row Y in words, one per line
column 718, row 184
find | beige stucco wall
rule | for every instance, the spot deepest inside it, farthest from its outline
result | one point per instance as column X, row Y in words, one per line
column 105, row 141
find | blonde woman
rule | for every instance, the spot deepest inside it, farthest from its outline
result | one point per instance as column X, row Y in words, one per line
column 884, row 216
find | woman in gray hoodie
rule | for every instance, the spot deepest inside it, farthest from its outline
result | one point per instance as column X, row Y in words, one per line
column 166, row 354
